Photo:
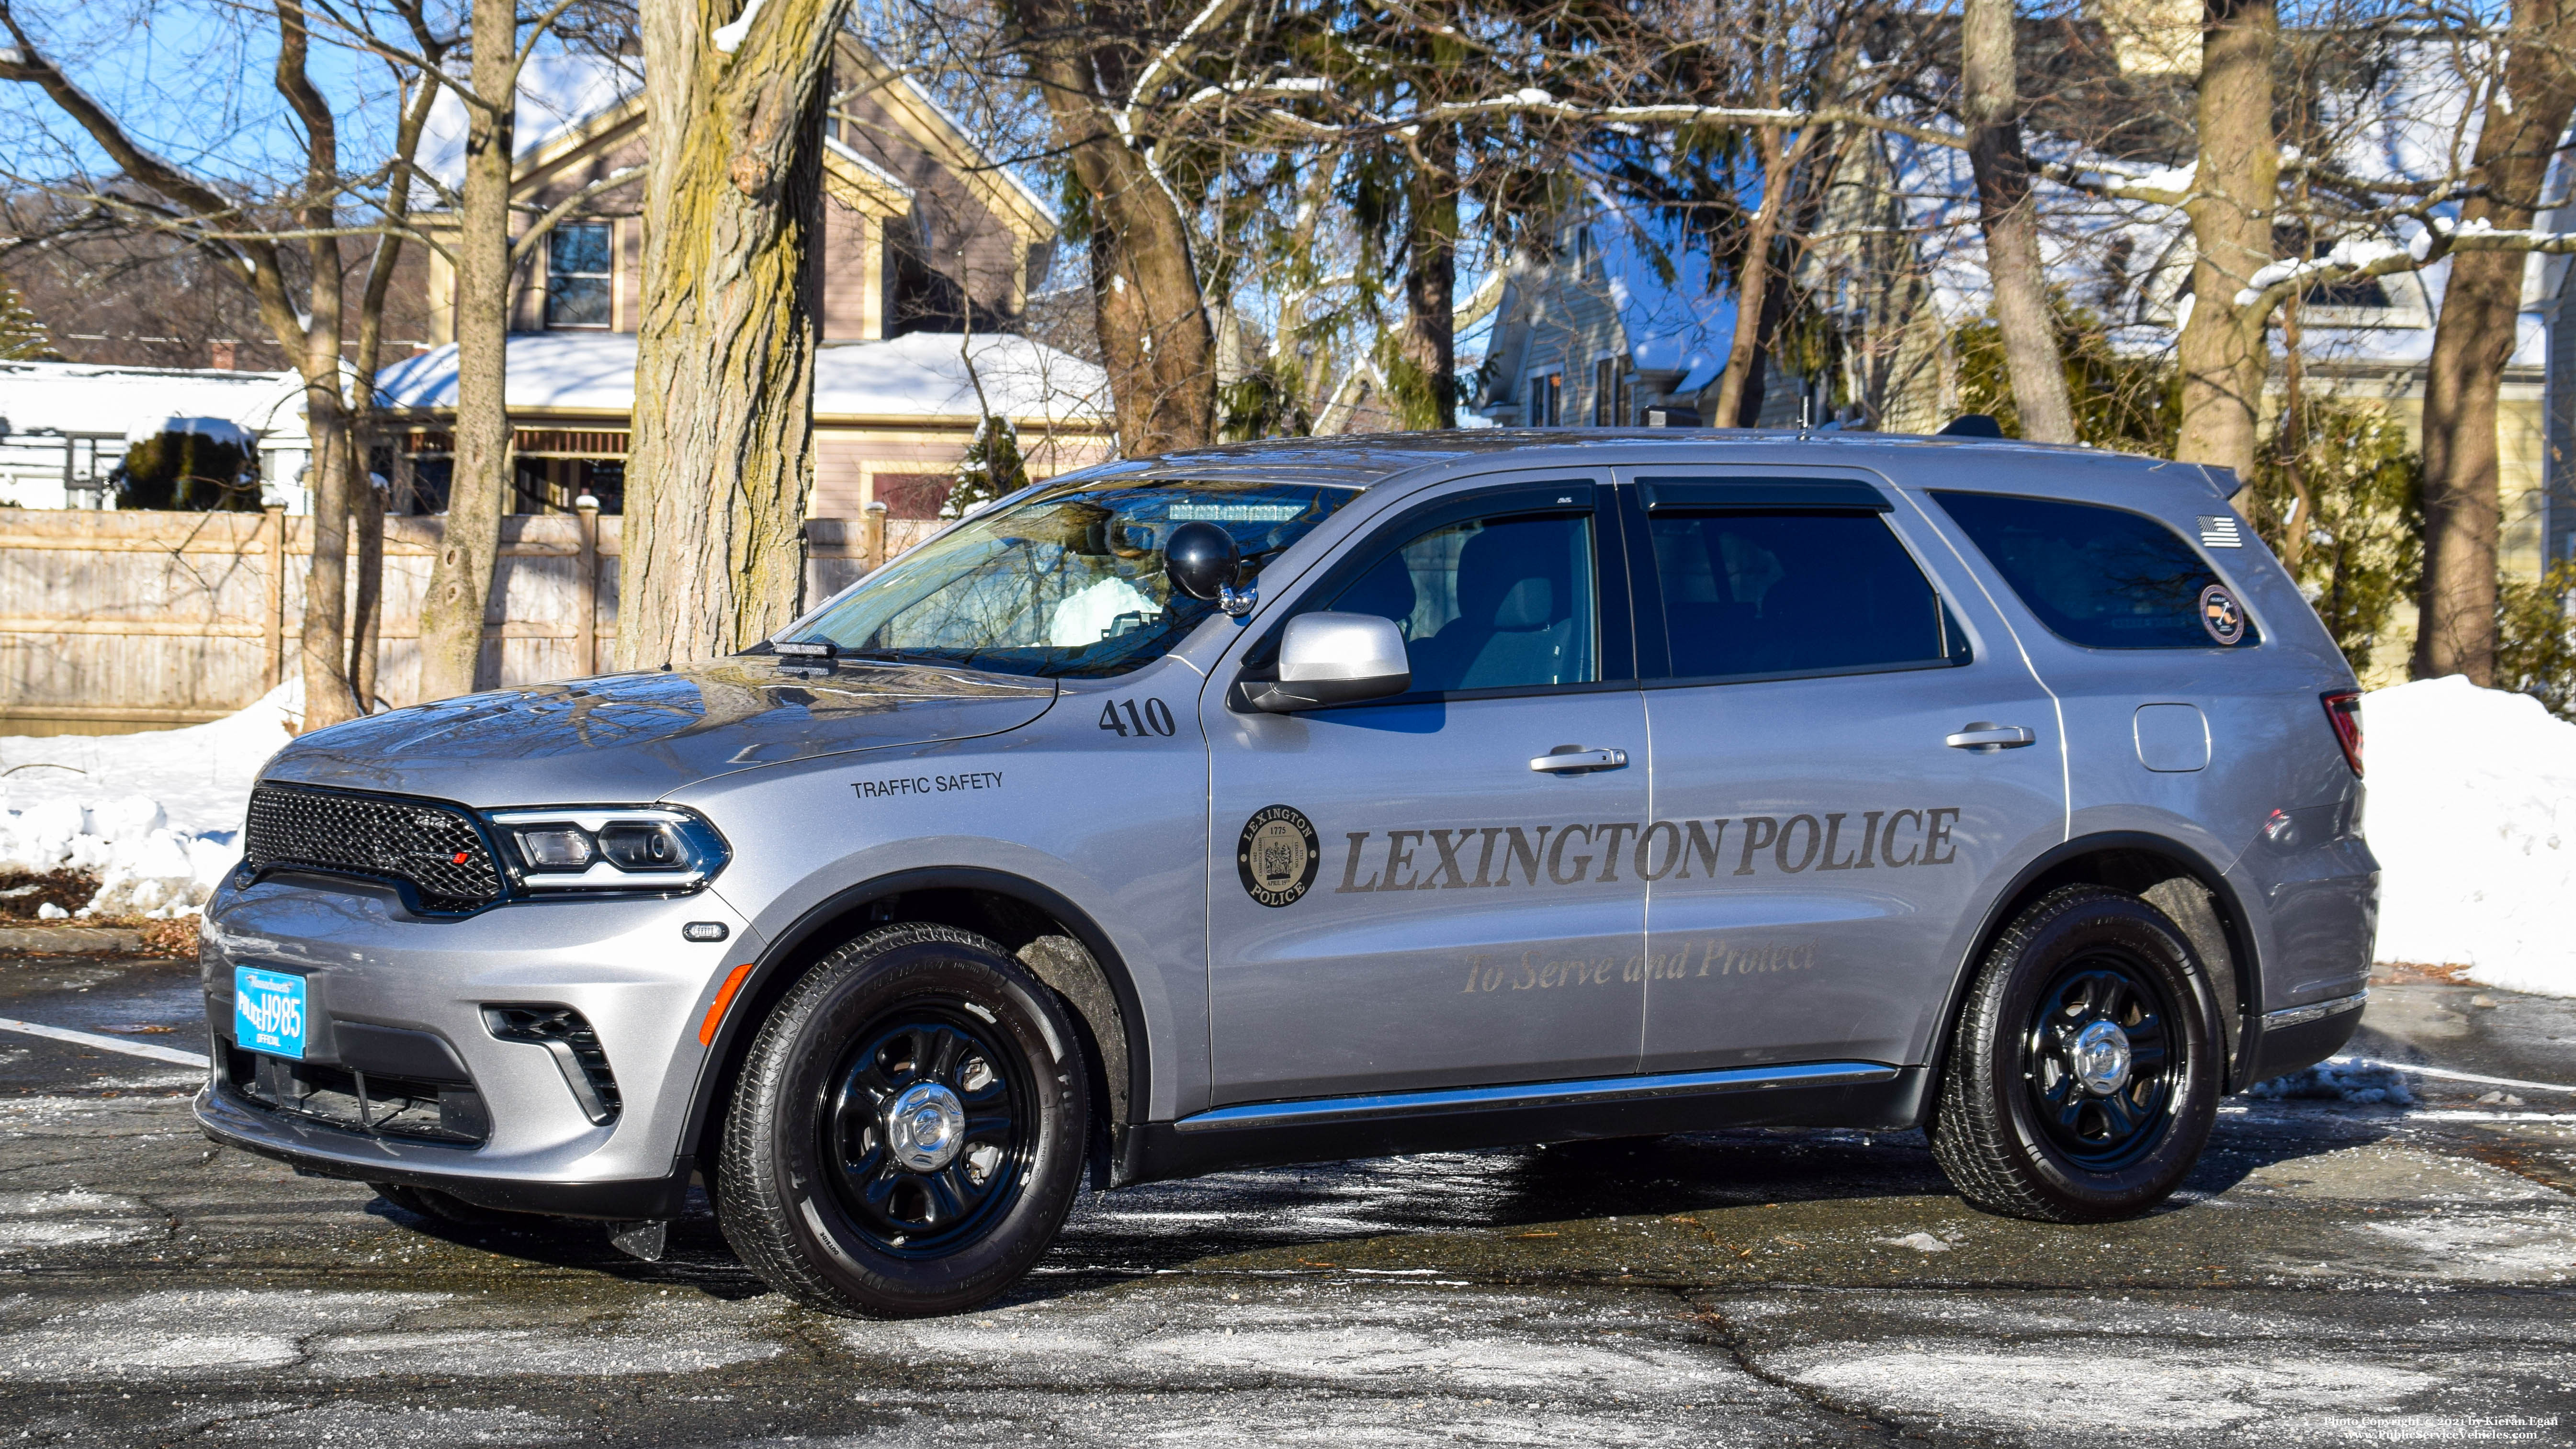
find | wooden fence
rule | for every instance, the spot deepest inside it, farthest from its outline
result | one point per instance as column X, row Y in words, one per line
column 114, row 621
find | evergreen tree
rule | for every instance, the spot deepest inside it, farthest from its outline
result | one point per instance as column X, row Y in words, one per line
column 22, row 337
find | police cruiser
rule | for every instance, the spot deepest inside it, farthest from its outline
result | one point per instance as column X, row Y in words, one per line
column 1325, row 799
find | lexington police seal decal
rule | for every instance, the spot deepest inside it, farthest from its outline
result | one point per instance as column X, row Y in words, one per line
column 1277, row 855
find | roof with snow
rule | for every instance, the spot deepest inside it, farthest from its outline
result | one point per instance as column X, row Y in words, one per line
column 556, row 94
column 918, row 375
column 81, row 397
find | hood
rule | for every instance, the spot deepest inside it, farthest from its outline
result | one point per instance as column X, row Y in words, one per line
column 631, row 738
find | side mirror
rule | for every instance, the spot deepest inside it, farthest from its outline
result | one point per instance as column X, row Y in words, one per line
column 1201, row 560
column 1334, row 659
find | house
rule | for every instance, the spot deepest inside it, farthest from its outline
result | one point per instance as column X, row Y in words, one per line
column 929, row 254
column 65, row 426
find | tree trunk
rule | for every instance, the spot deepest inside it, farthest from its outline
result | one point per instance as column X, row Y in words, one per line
column 366, row 615
column 2234, row 194
column 724, row 375
column 328, row 699
column 2009, row 216
column 1752, row 285
column 1154, row 334
column 2456, row 628
column 1428, row 345
column 478, row 490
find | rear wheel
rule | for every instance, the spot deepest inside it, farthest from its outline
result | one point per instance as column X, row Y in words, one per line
column 2083, row 1077
column 907, row 1133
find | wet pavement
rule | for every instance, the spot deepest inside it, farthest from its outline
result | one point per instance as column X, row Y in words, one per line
column 2375, row 1259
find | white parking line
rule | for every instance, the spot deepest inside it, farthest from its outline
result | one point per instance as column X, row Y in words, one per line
column 2451, row 1076
column 106, row 1043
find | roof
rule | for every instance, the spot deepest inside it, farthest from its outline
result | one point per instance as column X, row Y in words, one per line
column 81, row 397
column 1362, row 460
column 557, row 94
column 917, row 375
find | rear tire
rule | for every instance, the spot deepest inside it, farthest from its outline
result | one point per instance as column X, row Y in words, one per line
column 908, row 1130
column 2083, row 1076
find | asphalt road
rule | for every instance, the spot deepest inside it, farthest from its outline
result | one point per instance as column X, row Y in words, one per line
column 2344, row 1269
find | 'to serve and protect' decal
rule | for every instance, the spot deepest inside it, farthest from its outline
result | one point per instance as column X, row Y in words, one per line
column 1277, row 855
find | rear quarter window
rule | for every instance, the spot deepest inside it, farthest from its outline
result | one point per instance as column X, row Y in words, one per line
column 2101, row 577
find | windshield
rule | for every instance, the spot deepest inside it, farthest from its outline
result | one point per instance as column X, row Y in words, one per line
column 1067, row 583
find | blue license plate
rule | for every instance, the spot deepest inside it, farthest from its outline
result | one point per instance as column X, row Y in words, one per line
column 268, row 1012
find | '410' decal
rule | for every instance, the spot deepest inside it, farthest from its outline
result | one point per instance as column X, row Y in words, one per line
column 1122, row 716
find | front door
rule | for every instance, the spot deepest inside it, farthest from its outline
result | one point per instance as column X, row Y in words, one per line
column 1397, row 899
column 1849, row 762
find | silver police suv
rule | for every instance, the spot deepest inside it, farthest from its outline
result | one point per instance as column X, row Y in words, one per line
column 1327, row 799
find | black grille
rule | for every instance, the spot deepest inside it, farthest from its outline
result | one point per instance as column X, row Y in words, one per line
column 433, row 848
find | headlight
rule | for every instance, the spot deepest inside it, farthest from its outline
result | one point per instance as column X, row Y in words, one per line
column 593, row 848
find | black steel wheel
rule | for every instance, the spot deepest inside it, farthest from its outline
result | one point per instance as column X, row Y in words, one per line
column 907, row 1132
column 927, row 1127
column 2098, row 1062
column 2083, row 1074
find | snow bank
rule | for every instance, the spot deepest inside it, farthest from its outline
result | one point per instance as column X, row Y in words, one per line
column 158, row 815
column 2472, row 813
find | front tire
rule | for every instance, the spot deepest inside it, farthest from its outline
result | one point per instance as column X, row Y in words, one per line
column 908, row 1130
column 2083, row 1076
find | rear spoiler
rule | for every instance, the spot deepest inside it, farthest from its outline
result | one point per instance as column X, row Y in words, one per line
column 2223, row 481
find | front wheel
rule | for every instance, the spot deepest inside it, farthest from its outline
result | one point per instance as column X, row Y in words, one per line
column 2083, row 1077
column 907, row 1133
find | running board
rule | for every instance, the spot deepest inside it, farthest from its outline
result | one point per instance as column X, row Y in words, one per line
column 1538, row 1094
column 1867, row 1095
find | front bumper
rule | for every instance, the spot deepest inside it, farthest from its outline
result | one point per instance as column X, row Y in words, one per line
column 621, row 964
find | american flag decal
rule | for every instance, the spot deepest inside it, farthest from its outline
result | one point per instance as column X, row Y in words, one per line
column 2220, row 532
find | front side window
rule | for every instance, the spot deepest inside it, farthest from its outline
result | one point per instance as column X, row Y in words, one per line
column 577, row 275
column 2101, row 577
column 1788, row 593
column 1490, row 603
column 1066, row 584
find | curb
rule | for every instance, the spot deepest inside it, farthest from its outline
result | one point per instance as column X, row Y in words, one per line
column 70, row 941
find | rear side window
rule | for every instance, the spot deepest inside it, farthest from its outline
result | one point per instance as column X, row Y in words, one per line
column 1750, row 593
column 2101, row 577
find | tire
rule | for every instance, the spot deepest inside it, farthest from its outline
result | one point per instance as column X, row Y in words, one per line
column 845, row 1206
column 2086, row 979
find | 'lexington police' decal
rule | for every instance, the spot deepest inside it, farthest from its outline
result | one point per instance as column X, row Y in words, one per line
column 1277, row 855
column 1421, row 860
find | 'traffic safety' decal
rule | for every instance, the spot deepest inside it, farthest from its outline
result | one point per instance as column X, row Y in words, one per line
column 1277, row 855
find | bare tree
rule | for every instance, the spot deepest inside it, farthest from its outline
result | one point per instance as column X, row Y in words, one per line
column 1990, row 105
column 2526, row 114
column 311, row 328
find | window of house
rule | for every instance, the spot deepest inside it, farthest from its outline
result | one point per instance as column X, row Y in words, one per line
column 2101, row 577
column 1546, row 400
column 1583, row 249
column 1610, row 395
column 578, row 274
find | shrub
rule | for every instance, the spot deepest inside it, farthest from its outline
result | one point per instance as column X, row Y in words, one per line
column 2535, row 641
column 189, row 472
column 2355, row 542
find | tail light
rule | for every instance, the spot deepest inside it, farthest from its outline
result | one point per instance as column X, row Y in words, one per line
column 2343, row 711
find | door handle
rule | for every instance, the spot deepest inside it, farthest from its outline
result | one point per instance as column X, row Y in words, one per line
column 1987, row 738
column 1576, row 760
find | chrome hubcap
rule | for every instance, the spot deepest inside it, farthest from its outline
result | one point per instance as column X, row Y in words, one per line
column 2099, row 1058
column 925, row 1125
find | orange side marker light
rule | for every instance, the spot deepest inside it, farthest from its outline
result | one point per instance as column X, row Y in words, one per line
column 724, row 998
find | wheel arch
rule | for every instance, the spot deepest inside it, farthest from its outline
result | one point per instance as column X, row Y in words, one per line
column 2143, row 865
column 1015, row 911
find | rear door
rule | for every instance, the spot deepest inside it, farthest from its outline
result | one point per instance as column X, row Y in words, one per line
column 1850, row 759
column 1397, row 899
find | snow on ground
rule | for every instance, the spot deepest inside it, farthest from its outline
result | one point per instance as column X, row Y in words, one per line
column 2472, row 813
column 158, row 814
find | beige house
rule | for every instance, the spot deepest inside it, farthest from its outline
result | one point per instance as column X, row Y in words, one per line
column 930, row 252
